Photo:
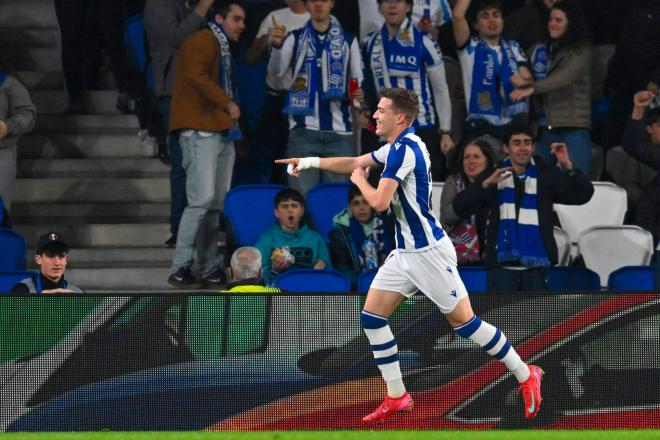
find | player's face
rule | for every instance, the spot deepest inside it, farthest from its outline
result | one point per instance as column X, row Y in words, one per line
column 520, row 150
column 319, row 10
column 234, row 23
column 557, row 24
column 386, row 117
column 53, row 265
column 360, row 209
column 289, row 213
column 489, row 23
column 394, row 11
column 654, row 132
column 474, row 161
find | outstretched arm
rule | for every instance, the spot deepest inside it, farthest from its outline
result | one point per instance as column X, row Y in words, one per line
column 341, row 165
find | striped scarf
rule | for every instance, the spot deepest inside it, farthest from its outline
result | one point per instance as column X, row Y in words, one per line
column 333, row 56
column 519, row 238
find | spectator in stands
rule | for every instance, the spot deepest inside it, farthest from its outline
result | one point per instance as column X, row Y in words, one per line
column 399, row 53
column 167, row 24
column 204, row 114
column 245, row 272
column 528, row 25
column 427, row 15
column 17, row 116
column 274, row 123
column 353, row 226
column 492, row 68
column 52, row 256
column 634, row 66
column 289, row 243
column 86, row 27
column 324, row 59
column 630, row 174
column 520, row 244
column 467, row 231
column 562, row 85
column 642, row 141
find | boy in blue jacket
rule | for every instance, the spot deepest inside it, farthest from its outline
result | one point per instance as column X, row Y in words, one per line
column 288, row 243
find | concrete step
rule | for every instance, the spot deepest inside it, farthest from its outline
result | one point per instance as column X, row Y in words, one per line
column 112, row 167
column 73, row 190
column 95, row 102
column 126, row 235
column 42, row 79
column 106, row 124
column 29, row 37
column 105, row 279
column 34, row 58
column 116, row 257
column 27, row 14
column 79, row 213
column 85, row 145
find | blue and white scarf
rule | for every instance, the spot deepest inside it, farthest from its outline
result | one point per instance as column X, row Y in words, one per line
column 519, row 239
column 226, row 73
column 334, row 56
column 490, row 77
column 541, row 61
column 395, row 57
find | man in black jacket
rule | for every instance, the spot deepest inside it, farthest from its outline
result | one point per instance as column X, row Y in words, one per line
column 520, row 244
column 641, row 140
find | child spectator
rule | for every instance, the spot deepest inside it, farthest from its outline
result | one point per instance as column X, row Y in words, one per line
column 290, row 243
column 353, row 226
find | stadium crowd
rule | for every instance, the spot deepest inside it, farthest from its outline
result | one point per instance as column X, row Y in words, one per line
column 507, row 92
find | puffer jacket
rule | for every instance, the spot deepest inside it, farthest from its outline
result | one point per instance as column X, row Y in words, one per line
column 565, row 93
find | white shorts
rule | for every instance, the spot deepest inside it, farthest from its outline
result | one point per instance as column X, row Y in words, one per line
column 432, row 271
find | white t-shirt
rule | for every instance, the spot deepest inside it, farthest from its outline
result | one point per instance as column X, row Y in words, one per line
column 287, row 18
column 439, row 12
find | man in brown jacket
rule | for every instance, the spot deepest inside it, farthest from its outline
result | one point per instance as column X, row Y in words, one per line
column 205, row 115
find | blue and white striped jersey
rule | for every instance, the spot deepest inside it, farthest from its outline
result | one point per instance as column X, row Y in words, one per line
column 329, row 115
column 425, row 76
column 407, row 161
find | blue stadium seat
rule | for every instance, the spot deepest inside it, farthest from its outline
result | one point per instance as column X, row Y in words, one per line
column 311, row 280
column 249, row 209
column 563, row 278
column 632, row 278
column 323, row 202
column 12, row 256
column 474, row 278
column 8, row 279
column 365, row 279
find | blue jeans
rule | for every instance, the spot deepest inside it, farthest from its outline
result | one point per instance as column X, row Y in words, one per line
column 304, row 142
column 578, row 141
column 209, row 162
column 178, row 199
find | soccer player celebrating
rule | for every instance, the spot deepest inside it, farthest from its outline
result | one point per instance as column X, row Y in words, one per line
column 424, row 257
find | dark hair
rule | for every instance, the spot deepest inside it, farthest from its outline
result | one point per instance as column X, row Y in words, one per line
column 222, row 7
column 410, row 2
column 578, row 32
column 653, row 116
column 5, row 219
column 288, row 194
column 476, row 7
column 53, row 249
column 515, row 129
column 487, row 151
column 403, row 100
column 353, row 192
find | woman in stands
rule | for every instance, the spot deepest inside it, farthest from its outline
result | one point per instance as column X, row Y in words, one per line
column 467, row 229
column 17, row 115
column 562, row 85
